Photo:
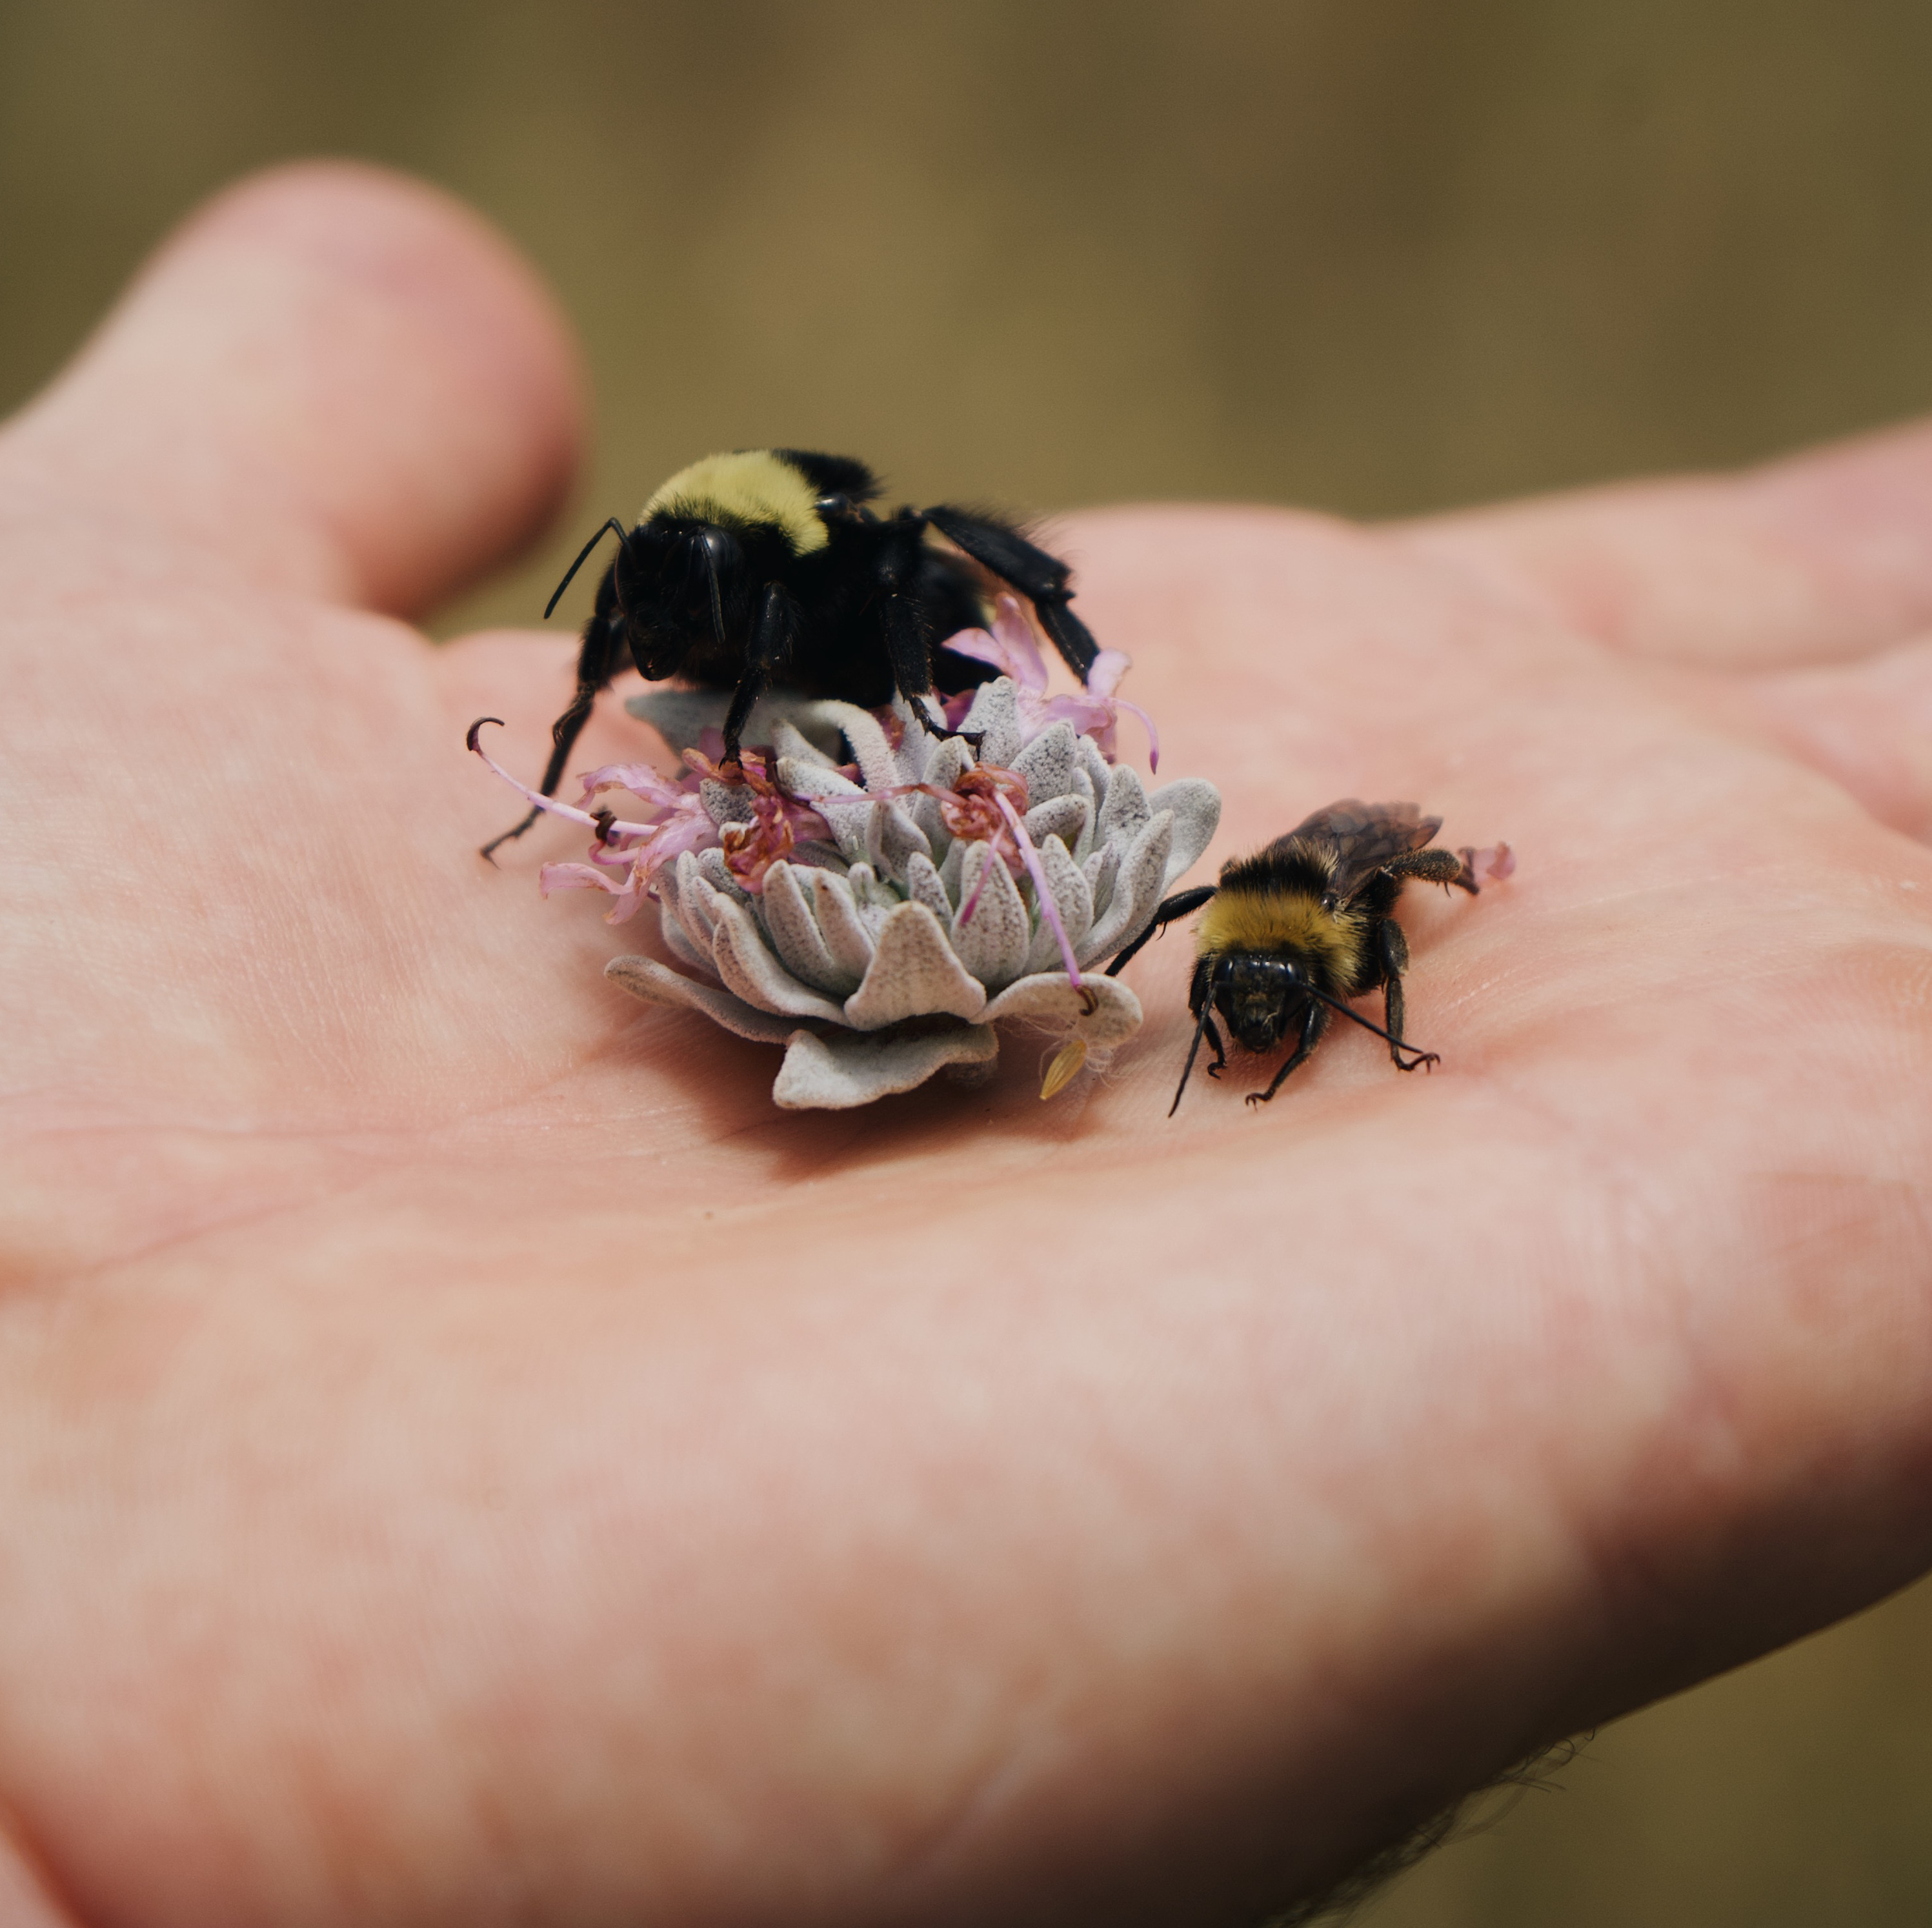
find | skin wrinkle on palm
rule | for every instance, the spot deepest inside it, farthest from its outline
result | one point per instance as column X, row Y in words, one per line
column 458, row 1447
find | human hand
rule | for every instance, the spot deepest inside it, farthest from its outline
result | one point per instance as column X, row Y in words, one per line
column 467, row 1457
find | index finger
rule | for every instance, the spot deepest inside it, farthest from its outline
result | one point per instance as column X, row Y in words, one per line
column 1818, row 558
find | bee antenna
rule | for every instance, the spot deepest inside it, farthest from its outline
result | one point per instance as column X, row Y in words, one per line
column 583, row 556
column 1401, row 1044
column 1194, row 1049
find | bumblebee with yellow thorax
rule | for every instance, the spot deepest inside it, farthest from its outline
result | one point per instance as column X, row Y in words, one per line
column 1294, row 931
column 768, row 566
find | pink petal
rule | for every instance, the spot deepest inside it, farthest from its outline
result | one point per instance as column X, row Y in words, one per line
column 1109, row 667
column 629, row 895
column 641, row 780
column 1146, row 724
column 982, row 648
column 1042, row 892
column 1011, row 628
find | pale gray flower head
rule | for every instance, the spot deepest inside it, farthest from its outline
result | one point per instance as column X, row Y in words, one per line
column 879, row 918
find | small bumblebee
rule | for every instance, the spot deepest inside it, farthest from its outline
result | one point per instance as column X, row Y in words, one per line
column 767, row 564
column 1296, row 930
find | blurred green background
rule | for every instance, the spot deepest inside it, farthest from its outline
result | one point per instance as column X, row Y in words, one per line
column 1373, row 255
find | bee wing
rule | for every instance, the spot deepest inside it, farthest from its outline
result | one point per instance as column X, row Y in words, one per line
column 1362, row 838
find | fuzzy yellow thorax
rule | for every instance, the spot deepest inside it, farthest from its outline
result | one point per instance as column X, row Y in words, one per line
column 1279, row 920
column 752, row 485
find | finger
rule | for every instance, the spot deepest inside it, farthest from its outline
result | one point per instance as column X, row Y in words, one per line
column 337, row 378
column 1867, row 725
column 27, row 1894
column 1823, row 557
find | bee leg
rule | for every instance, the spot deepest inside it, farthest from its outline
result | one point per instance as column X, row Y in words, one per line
column 909, row 650
column 1041, row 578
column 1213, row 1031
column 771, row 635
column 1395, row 961
column 1442, row 866
column 1179, row 905
column 600, row 659
column 1313, row 1026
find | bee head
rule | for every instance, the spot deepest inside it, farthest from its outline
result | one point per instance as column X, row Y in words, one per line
column 1259, row 996
column 674, row 580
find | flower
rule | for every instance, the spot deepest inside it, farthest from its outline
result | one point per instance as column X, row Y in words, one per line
column 1093, row 712
column 879, row 918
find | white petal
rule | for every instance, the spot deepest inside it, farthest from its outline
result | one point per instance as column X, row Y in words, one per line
column 1196, row 805
column 845, row 934
column 711, row 867
column 1069, row 818
column 1101, row 868
column 916, row 742
column 678, row 942
column 1083, row 788
column 891, row 838
column 991, row 944
column 658, row 984
column 951, row 866
column 850, row 821
column 694, row 902
column 1071, row 898
column 923, row 887
column 1048, row 762
column 913, row 973
column 811, row 781
column 728, row 803
column 995, row 715
column 790, row 745
column 1123, row 810
column 1048, row 997
column 681, row 716
column 815, row 854
column 746, row 963
column 876, row 900
column 796, row 935
column 878, row 768
column 949, row 762
column 1096, row 767
column 1137, row 893
column 835, row 1073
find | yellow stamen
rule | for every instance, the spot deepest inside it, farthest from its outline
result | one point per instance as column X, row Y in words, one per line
column 1066, row 1065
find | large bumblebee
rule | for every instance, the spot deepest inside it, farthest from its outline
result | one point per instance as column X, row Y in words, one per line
column 767, row 564
column 1294, row 931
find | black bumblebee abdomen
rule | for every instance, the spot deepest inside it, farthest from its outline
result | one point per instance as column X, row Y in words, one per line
column 764, row 567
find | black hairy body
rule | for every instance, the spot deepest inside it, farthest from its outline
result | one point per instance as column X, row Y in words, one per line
column 768, row 565
column 1295, row 931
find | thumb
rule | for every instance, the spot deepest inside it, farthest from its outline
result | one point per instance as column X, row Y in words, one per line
column 335, row 379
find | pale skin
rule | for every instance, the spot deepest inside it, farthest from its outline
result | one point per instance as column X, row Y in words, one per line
column 464, row 1457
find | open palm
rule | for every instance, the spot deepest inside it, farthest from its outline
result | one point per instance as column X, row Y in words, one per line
column 466, row 1457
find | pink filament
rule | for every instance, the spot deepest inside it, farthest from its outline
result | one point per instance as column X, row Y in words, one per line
column 606, row 827
column 1049, row 909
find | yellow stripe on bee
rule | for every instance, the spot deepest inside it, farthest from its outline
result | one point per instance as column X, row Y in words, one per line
column 1278, row 920
column 753, row 485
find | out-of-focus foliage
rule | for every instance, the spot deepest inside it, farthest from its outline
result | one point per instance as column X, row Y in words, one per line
column 1375, row 257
